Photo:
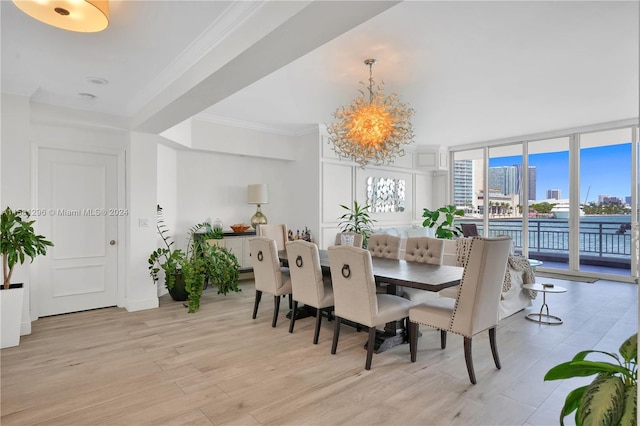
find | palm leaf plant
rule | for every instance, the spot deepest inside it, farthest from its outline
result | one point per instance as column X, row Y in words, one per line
column 443, row 220
column 357, row 220
column 612, row 397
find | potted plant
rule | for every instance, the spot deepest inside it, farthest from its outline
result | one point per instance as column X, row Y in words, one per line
column 612, row 397
column 443, row 220
column 205, row 261
column 186, row 271
column 18, row 240
column 168, row 259
column 357, row 220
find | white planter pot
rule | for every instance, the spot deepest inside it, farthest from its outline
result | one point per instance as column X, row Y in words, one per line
column 10, row 315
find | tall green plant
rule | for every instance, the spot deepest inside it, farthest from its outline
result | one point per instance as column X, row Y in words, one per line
column 443, row 220
column 357, row 220
column 612, row 397
column 199, row 261
column 18, row 240
column 164, row 258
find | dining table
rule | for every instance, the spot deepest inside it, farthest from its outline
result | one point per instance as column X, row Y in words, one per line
column 394, row 274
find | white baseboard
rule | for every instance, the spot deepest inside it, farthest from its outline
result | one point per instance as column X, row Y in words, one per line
column 141, row 305
column 25, row 328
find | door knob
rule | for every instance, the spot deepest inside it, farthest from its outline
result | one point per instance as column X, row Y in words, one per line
column 112, row 242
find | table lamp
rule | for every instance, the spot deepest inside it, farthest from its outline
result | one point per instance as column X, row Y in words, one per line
column 258, row 194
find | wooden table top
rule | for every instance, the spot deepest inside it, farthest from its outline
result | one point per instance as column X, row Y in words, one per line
column 422, row 276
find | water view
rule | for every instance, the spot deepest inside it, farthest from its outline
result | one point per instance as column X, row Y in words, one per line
column 604, row 240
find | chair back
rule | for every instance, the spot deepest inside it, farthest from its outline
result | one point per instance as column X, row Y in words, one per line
column 383, row 245
column 469, row 229
column 478, row 300
column 306, row 273
column 357, row 238
column 354, row 287
column 278, row 233
column 425, row 250
column 266, row 264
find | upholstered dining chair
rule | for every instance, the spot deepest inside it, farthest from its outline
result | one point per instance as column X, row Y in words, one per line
column 269, row 277
column 383, row 245
column 357, row 238
column 476, row 307
column 355, row 298
column 309, row 286
column 277, row 232
column 423, row 250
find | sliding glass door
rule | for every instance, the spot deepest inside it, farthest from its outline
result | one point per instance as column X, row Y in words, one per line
column 548, row 210
column 605, row 193
column 570, row 202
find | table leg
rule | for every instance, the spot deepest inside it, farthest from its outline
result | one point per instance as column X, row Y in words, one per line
column 544, row 318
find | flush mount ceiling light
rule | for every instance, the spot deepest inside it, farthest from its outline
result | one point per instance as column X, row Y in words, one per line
column 88, row 16
column 373, row 130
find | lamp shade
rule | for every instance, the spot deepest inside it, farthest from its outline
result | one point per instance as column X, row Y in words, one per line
column 86, row 16
column 258, row 194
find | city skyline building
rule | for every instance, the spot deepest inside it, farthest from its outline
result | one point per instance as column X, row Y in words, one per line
column 553, row 194
column 463, row 194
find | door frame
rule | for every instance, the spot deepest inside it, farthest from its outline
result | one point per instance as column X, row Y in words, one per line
column 120, row 154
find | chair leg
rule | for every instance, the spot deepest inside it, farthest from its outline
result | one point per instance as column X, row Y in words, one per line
column 494, row 347
column 276, row 308
column 413, row 339
column 336, row 334
column 292, row 323
column 290, row 301
column 469, row 359
column 370, row 345
column 316, row 335
column 443, row 339
column 256, row 303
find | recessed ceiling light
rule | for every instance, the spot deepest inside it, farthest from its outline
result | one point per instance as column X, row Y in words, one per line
column 87, row 96
column 98, row 80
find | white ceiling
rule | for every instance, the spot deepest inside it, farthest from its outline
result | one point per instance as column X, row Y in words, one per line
column 473, row 71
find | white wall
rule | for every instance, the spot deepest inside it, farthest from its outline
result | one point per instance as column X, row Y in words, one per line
column 214, row 186
column 142, row 199
column 15, row 167
column 343, row 182
column 303, row 186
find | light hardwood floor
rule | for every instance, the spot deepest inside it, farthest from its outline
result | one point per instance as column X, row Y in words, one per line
column 218, row 366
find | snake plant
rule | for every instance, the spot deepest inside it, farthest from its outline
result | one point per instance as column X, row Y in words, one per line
column 612, row 397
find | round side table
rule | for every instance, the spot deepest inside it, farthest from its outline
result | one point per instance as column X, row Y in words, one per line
column 534, row 263
column 545, row 318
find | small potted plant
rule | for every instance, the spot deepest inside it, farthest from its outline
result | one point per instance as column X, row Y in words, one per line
column 357, row 220
column 443, row 220
column 18, row 240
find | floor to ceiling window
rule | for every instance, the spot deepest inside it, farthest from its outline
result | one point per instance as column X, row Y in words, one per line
column 605, row 193
column 568, row 201
column 548, row 209
column 506, row 194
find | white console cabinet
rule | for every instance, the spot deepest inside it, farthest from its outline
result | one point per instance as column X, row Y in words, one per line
column 238, row 244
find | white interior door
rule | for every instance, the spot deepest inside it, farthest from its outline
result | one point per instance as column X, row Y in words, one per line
column 77, row 200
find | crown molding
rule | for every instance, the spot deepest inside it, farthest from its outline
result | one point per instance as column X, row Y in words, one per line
column 283, row 130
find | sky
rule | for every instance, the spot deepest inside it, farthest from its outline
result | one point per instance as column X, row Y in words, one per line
column 604, row 170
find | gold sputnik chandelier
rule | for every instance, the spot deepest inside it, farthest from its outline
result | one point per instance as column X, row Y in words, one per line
column 374, row 130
